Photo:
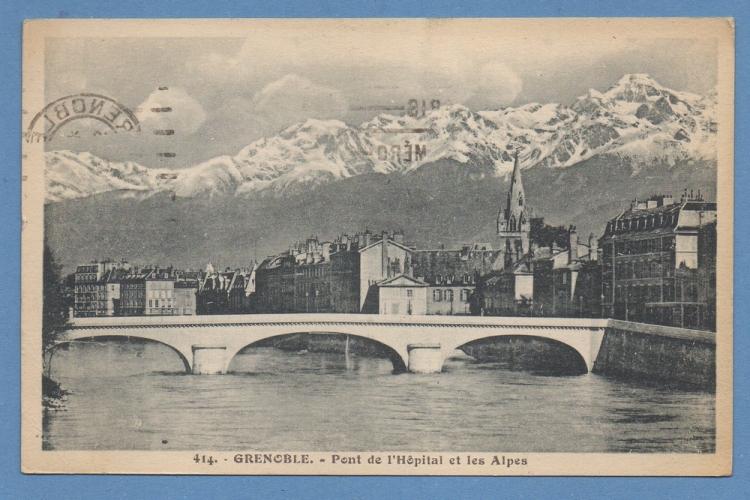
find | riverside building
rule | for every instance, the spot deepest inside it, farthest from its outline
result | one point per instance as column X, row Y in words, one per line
column 659, row 263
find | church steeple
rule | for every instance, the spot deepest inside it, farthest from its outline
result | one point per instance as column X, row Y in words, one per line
column 516, row 196
column 513, row 225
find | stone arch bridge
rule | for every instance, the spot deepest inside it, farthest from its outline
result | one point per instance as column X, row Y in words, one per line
column 420, row 344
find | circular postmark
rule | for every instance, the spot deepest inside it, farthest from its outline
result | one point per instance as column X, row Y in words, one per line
column 57, row 114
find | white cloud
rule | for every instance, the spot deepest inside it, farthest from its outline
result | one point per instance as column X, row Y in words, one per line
column 496, row 85
column 293, row 98
column 185, row 115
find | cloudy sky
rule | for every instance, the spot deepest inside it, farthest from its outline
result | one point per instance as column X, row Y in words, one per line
column 227, row 92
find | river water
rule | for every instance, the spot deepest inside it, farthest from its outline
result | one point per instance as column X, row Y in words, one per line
column 136, row 397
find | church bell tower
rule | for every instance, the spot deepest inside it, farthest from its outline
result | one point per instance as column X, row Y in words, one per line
column 513, row 221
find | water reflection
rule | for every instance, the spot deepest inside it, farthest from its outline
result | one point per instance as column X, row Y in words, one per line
column 136, row 397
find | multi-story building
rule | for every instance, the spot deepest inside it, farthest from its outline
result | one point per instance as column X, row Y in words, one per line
column 89, row 297
column 339, row 276
column 275, row 285
column 133, row 299
column 659, row 263
column 185, row 298
column 159, row 289
column 227, row 292
column 380, row 259
column 96, row 288
column 452, row 275
column 241, row 290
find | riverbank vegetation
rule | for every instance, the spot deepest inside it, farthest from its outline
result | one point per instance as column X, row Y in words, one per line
column 56, row 301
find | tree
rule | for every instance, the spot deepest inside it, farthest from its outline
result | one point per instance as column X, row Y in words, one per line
column 544, row 235
column 55, row 300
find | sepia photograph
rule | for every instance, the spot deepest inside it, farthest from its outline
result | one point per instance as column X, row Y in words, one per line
column 378, row 246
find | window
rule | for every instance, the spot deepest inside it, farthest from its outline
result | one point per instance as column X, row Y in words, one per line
column 410, row 293
column 448, row 295
column 437, row 295
column 150, row 303
column 394, row 308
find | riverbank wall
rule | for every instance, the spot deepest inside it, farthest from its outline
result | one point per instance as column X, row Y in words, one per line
column 640, row 352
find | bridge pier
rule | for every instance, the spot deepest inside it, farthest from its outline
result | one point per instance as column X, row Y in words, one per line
column 425, row 358
column 210, row 360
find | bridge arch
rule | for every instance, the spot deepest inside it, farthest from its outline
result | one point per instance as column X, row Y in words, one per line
column 185, row 355
column 580, row 340
column 546, row 356
column 397, row 359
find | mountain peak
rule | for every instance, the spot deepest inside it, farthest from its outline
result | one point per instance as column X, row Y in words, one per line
column 638, row 79
column 315, row 126
column 641, row 88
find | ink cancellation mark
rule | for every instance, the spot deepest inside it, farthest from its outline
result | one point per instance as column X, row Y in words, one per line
column 59, row 113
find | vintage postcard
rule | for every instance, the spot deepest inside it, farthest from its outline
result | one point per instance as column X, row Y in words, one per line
column 378, row 246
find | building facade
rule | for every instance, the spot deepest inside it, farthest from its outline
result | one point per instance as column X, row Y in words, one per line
column 227, row 292
column 133, row 300
column 96, row 288
column 659, row 263
column 402, row 295
column 159, row 290
column 331, row 277
column 449, row 299
column 119, row 289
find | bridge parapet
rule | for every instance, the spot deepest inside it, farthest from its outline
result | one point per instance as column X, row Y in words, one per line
column 326, row 319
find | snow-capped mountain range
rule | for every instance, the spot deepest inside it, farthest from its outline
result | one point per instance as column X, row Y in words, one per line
column 637, row 119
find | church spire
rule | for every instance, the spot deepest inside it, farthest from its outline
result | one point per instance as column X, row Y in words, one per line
column 513, row 225
column 516, row 195
column 515, row 209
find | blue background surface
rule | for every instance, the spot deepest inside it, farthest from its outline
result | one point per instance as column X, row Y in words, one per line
column 13, row 484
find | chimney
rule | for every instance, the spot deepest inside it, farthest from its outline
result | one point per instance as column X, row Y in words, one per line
column 667, row 200
column 398, row 237
column 573, row 242
column 367, row 238
column 593, row 248
column 651, row 204
column 384, row 253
